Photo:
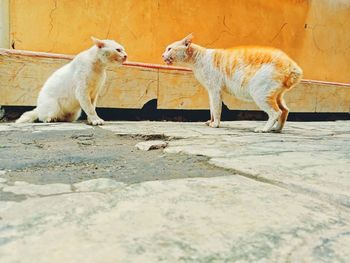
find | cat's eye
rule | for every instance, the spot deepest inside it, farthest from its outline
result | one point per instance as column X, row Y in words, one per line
column 169, row 48
column 118, row 49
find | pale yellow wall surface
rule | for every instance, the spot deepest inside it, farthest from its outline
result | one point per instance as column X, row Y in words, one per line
column 4, row 24
column 316, row 33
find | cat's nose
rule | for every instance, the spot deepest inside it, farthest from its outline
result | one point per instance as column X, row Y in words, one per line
column 125, row 57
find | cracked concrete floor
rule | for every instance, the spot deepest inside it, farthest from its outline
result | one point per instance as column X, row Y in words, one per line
column 71, row 192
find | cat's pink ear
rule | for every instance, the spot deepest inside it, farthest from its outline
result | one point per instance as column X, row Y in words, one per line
column 99, row 43
column 188, row 40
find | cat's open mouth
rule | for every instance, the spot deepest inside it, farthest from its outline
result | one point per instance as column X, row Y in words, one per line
column 120, row 60
column 169, row 61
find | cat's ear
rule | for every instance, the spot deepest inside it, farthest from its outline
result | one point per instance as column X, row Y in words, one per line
column 188, row 40
column 99, row 43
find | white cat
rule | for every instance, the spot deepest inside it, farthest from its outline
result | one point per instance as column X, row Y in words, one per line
column 76, row 85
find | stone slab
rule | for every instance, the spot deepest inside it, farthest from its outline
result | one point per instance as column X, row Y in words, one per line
column 151, row 145
column 222, row 219
column 311, row 157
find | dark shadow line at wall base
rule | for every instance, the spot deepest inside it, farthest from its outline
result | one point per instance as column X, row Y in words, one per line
column 151, row 113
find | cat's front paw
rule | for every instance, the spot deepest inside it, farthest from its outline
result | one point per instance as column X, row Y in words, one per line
column 214, row 124
column 48, row 120
column 95, row 120
column 208, row 123
column 260, row 130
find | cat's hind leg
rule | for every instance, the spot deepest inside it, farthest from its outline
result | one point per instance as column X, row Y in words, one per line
column 49, row 111
column 285, row 111
column 270, row 106
column 76, row 115
column 72, row 116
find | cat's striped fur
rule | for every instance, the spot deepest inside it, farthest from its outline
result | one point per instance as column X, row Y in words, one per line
column 260, row 74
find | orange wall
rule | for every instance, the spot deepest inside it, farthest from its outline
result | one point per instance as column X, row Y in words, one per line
column 316, row 33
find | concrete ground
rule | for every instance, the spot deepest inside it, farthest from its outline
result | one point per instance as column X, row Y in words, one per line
column 76, row 193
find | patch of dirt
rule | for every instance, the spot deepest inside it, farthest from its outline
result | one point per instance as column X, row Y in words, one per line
column 75, row 156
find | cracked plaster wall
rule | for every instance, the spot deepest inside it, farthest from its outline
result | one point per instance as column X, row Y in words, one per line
column 314, row 33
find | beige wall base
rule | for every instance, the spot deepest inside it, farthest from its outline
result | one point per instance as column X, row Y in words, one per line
column 22, row 75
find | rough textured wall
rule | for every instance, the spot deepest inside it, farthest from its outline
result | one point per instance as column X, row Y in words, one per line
column 316, row 33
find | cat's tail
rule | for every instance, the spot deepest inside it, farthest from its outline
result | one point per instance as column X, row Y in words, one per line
column 29, row 116
column 294, row 77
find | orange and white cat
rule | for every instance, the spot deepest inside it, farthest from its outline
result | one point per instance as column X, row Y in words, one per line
column 77, row 85
column 259, row 74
